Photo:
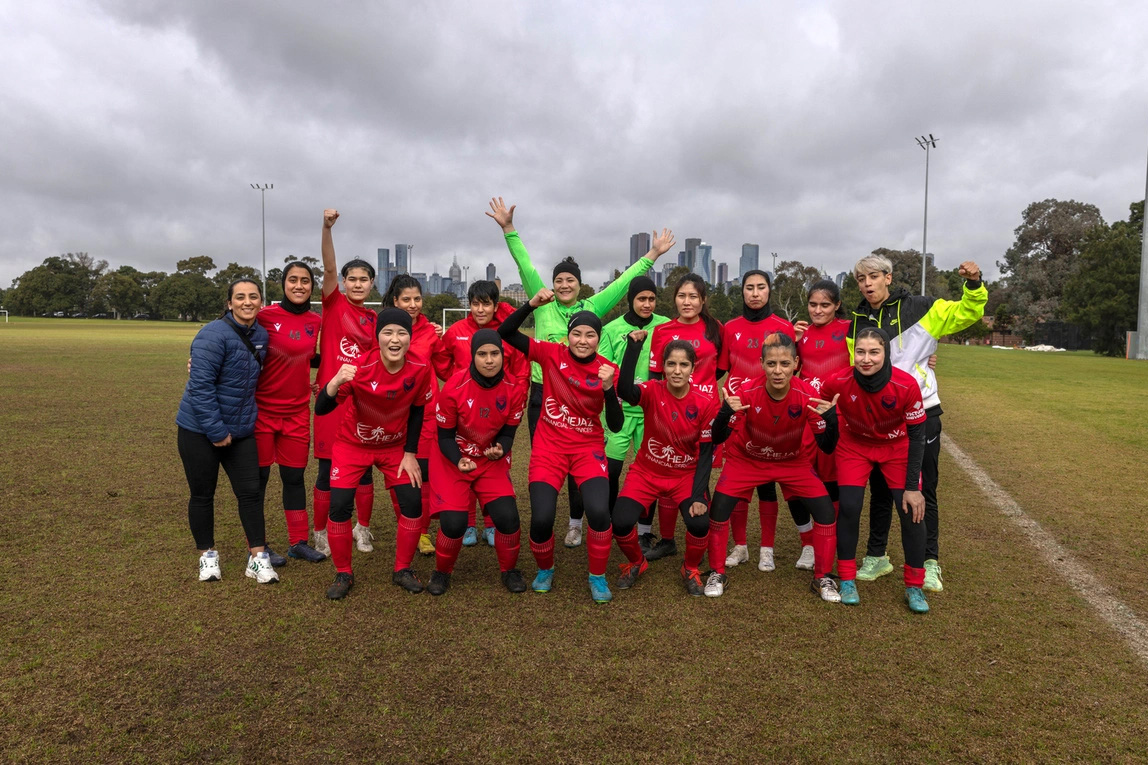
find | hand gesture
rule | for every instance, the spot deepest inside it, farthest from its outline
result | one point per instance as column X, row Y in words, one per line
column 345, row 374
column 914, row 502
column 638, row 336
column 466, row 465
column 606, row 375
column 662, row 243
column 410, row 465
column 502, row 216
column 438, row 329
column 821, row 407
column 542, row 297
column 799, row 328
column 933, row 361
column 494, row 452
column 970, row 270
column 224, row 442
column 698, row 508
column 734, row 403
column 329, row 217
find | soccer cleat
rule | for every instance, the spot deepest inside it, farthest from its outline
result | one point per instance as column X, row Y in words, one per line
column 321, row 544
column 765, row 559
column 737, row 556
column 693, row 580
column 306, row 552
column 488, row 536
column 573, row 537
column 439, row 583
column 916, row 600
column 470, row 537
column 513, row 581
column 426, row 546
column 933, row 581
column 873, row 567
column 543, row 580
column 209, row 567
column 599, row 590
column 406, row 579
column 849, row 594
column 805, row 560
column 259, row 568
column 630, row 573
column 341, row 586
column 826, row 587
column 646, row 543
column 663, row 549
column 363, row 538
column 277, row 560
column 715, row 585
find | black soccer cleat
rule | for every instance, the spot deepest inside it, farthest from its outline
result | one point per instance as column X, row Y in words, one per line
column 646, row 543
column 663, row 549
column 304, row 551
column 277, row 560
column 406, row 579
column 513, row 580
column 630, row 574
column 341, row 586
column 693, row 580
column 439, row 583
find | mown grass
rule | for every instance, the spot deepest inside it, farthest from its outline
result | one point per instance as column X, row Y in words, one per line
column 112, row 652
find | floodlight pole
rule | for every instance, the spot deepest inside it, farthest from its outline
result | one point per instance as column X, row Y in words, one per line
column 262, row 188
column 1142, row 312
column 926, row 144
column 774, row 254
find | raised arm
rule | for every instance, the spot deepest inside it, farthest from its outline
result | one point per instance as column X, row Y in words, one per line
column 615, row 417
column 508, row 330
column 602, row 302
column 330, row 267
column 627, row 390
column 504, row 217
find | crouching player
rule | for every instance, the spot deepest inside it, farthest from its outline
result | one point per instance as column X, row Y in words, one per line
column 478, row 413
column 577, row 384
column 386, row 395
column 774, row 411
column 884, row 427
column 674, row 458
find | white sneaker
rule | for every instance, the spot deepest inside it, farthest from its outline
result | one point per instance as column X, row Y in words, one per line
column 321, row 544
column 826, row 587
column 805, row 560
column 363, row 537
column 738, row 555
column 765, row 562
column 209, row 567
column 574, row 536
column 715, row 585
column 259, row 568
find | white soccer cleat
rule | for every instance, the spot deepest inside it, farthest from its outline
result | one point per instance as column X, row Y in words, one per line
column 573, row 536
column 826, row 587
column 363, row 538
column 209, row 567
column 321, row 544
column 765, row 562
column 738, row 555
column 715, row 585
column 805, row 560
column 259, row 568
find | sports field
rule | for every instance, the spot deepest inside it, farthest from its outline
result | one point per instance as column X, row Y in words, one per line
column 111, row 651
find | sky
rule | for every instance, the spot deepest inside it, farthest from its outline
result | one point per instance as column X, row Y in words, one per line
column 132, row 129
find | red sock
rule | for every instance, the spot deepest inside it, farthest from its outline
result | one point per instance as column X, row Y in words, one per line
column 406, row 541
column 446, row 552
column 425, row 497
column 738, row 520
column 807, row 537
column 506, row 547
column 629, row 546
column 296, row 526
column 914, row 577
column 543, row 553
column 719, row 538
column 364, row 503
column 695, row 549
column 667, row 519
column 472, row 515
column 321, row 500
column 767, row 512
column 824, row 547
column 598, row 549
column 846, row 569
column 339, row 538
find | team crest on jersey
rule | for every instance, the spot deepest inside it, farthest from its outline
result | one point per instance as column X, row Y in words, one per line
column 737, row 336
column 470, row 403
column 757, row 409
column 600, row 456
column 349, row 347
column 277, row 326
column 675, row 337
column 592, row 382
column 562, row 365
column 484, row 412
column 691, row 412
column 374, row 385
column 310, row 330
column 363, row 321
column 852, row 397
column 838, row 336
column 408, row 383
column 889, row 402
column 794, row 411
column 500, row 403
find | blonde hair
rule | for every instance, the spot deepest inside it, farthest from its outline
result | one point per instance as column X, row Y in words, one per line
column 871, row 263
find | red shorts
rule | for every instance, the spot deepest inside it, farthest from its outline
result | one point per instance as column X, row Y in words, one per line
column 326, row 429
column 824, row 464
column 455, row 490
column 855, row 461
column 349, row 462
column 428, row 436
column 552, row 468
column 644, row 486
column 796, row 477
column 283, row 440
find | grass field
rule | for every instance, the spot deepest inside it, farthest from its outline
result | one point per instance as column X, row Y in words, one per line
column 111, row 651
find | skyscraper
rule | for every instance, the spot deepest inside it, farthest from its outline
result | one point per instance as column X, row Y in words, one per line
column 384, row 262
column 840, row 279
column 455, row 271
column 491, row 274
column 703, row 260
column 722, row 273
column 749, row 259
column 668, row 269
column 402, row 258
column 639, row 246
column 692, row 255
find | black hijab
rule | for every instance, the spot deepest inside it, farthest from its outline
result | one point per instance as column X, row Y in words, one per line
column 875, row 382
column 639, row 285
column 485, row 337
column 584, row 319
column 765, row 311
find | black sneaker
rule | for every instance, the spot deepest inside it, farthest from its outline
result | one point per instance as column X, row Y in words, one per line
column 513, row 580
column 438, row 584
column 306, row 552
column 693, row 580
column 341, row 586
column 646, row 542
column 630, row 574
column 407, row 580
column 663, row 549
column 277, row 560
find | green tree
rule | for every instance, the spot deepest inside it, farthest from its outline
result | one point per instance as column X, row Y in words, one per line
column 189, row 296
column 665, row 305
column 275, row 286
column 58, row 284
column 433, row 306
column 315, row 263
column 1002, row 319
column 907, row 274
column 791, row 288
column 721, row 306
column 200, row 264
column 585, row 291
column 119, row 292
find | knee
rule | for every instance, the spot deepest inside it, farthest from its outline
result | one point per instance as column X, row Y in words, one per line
column 696, row 525
column 410, row 501
column 323, row 479
column 291, row 476
column 452, row 524
column 342, row 503
column 767, row 492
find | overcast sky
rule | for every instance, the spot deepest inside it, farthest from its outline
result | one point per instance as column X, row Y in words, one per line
column 132, row 130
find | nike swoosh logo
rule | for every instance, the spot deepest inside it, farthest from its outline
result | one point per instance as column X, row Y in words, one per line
column 931, row 440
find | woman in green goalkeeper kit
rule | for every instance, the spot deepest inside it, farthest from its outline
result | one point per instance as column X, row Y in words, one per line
column 550, row 320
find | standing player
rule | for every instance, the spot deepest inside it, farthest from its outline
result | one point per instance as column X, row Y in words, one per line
column 884, row 427
column 478, row 412
column 577, row 385
column 383, row 415
column 552, row 320
column 674, row 458
column 346, row 335
column 283, row 397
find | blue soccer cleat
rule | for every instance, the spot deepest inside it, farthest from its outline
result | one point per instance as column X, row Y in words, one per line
column 488, row 535
column 915, row 597
column 849, row 594
column 599, row 590
column 470, row 538
column 543, row 580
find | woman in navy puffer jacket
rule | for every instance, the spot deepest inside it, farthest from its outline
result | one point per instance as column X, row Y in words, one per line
column 217, row 427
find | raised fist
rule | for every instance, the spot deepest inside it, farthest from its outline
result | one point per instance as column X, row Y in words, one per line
column 970, row 270
column 606, row 375
column 542, row 297
column 638, row 336
column 329, row 217
column 345, row 374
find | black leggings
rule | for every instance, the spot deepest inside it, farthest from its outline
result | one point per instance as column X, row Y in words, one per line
column 820, row 508
column 544, row 507
column 343, row 502
column 503, row 511
column 201, row 463
column 323, row 479
column 881, row 500
column 294, row 493
column 533, row 414
column 912, row 534
column 627, row 512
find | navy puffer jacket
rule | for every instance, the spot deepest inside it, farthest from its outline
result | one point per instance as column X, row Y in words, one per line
column 220, row 395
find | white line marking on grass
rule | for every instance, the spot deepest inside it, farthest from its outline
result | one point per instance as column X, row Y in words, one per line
column 1119, row 616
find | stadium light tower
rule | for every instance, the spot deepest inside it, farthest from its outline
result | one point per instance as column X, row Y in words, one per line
column 1141, row 351
column 926, row 144
column 262, row 189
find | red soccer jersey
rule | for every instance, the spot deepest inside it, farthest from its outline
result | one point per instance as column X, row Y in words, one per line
column 452, row 352
column 741, row 341
column 347, row 334
column 773, row 431
column 823, row 351
column 881, row 417
column 572, row 399
column 285, row 384
column 704, row 377
column 380, row 402
column 478, row 413
column 674, row 428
